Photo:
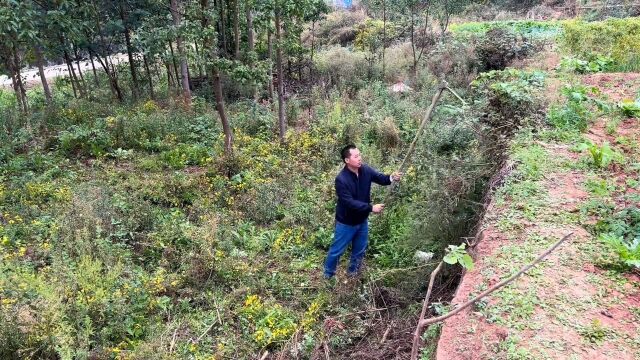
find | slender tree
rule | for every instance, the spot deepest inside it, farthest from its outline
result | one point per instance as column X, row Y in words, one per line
column 214, row 75
column 184, row 71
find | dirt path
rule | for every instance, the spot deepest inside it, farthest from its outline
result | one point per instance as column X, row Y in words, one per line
column 573, row 306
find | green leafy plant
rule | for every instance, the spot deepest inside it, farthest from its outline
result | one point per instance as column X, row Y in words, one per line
column 576, row 113
column 630, row 108
column 456, row 254
column 595, row 332
column 628, row 252
column 599, row 63
column 601, row 156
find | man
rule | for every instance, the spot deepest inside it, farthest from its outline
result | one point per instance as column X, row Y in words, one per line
column 353, row 187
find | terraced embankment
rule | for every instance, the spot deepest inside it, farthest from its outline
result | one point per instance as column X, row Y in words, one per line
column 581, row 302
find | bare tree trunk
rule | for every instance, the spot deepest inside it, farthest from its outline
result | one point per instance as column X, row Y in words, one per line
column 313, row 44
column 75, row 51
column 214, row 78
column 250, row 44
column 270, row 56
column 95, row 73
column 223, row 27
column 127, row 40
column 312, row 68
column 384, row 35
column 37, row 49
column 175, row 65
column 188, row 76
column 423, row 43
column 149, row 75
column 170, row 83
column 414, row 68
column 236, row 29
column 186, row 90
column 72, row 71
column 217, row 89
column 113, row 80
column 114, row 76
column 250, row 34
column 281, row 103
column 73, row 83
column 16, row 89
column 14, row 81
column 199, row 55
column 23, row 92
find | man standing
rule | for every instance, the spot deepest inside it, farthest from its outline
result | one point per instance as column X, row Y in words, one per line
column 353, row 187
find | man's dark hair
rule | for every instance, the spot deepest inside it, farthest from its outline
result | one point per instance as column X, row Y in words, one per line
column 346, row 151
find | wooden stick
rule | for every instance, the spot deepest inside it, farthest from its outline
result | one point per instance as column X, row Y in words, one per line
column 424, row 122
column 412, row 147
column 173, row 339
column 206, row 331
column 434, row 101
column 386, row 333
column 326, row 350
column 264, row 356
column 456, row 95
column 499, row 285
column 215, row 303
column 425, row 306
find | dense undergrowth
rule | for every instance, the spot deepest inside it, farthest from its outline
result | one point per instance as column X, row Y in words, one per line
column 142, row 198
column 126, row 233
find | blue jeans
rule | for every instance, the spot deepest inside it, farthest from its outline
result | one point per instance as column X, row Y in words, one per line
column 358, row 237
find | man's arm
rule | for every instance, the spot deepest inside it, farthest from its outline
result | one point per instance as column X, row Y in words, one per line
column 379, row 178
column 345, row 196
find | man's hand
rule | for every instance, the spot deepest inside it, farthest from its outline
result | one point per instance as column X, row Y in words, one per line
column 377, row 208
column 396, row 176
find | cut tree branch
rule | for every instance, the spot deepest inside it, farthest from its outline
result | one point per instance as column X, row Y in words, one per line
column 426, row 322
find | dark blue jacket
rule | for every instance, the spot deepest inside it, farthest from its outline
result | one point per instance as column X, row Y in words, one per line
column 354, row 194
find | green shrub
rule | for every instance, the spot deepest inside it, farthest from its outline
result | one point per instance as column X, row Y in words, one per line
column 8, row 100
column 253, row 119
column 618, row 37
column 398, row 62
column 509, row 95
column 456, row 60
column 342, row 67
column 499, row 47
column 84, row 141
column 184, row 155
column 572, row 116
column 337, row 28
column 264, row 201
column 369, row 35
column 528, row 28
